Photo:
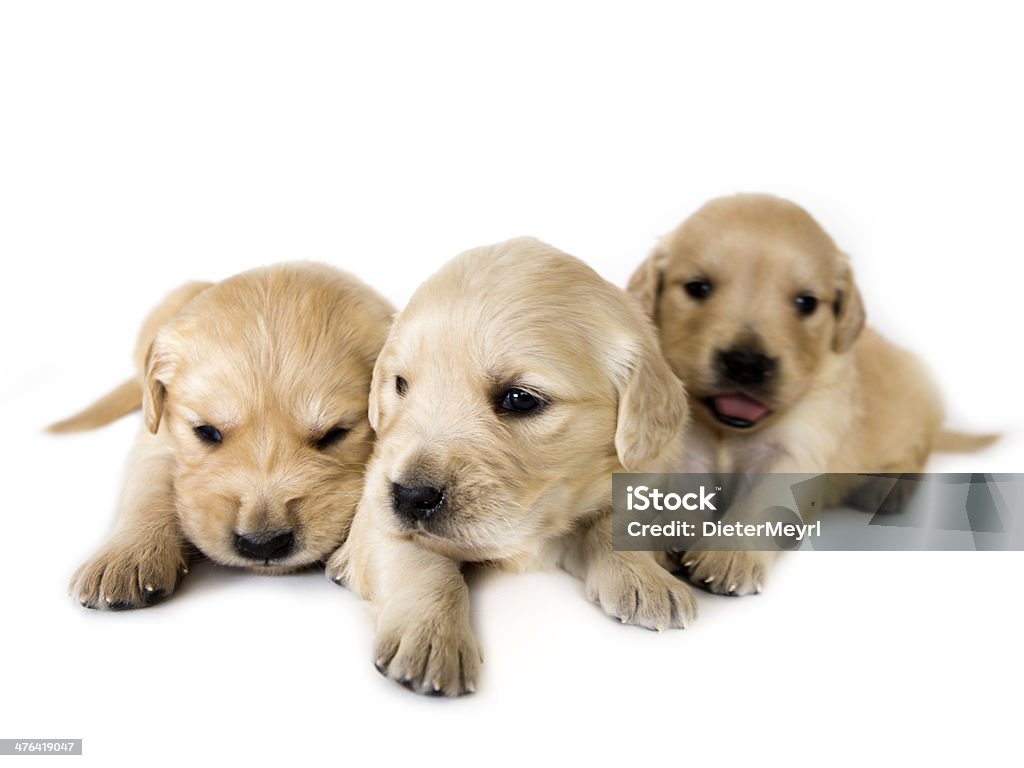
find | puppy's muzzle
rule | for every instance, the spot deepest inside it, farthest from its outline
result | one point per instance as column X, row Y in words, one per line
column 416, row 503
column 275, row 545
column 746, row 367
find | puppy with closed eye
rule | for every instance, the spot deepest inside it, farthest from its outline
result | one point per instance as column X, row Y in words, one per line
column 509, row 390
column 255, row 437
column 759, row 315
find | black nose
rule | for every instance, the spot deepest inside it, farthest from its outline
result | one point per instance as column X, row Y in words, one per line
column 743, row 366
column 264, row 546
column 416, row 503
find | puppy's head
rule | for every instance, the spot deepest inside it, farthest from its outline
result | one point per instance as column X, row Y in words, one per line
column 750, row 297
column 262, row 382
column 511, row 387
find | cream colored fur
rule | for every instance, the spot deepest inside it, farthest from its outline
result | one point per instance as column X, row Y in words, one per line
column 273, row 359
column 843, row 399
column 520, row 491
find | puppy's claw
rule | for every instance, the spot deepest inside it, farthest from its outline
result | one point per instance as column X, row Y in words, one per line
column 729, row 573
column 337, row 567
column 407, row 684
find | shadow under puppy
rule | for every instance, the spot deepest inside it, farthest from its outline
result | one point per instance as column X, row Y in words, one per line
column 255, row 437
column 509, row 390
column 759, row 314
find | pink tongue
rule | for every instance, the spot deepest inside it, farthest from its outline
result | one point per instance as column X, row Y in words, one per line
column 739, row 407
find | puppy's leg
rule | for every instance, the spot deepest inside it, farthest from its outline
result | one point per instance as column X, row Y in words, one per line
column 144, row 558
column 424, row 639
column 630, row 586
column 740, row 572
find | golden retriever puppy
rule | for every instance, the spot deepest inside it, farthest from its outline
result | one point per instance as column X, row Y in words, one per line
column 509, row 390
column 759, row 315
column 254, row 395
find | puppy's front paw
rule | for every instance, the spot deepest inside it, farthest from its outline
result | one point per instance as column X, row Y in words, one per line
column 643, row 594
column 727, row 573
column 129, row 574
column 437, row 656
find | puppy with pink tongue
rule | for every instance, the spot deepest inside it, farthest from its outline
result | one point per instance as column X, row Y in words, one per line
column 738, row 410
column 758, row 313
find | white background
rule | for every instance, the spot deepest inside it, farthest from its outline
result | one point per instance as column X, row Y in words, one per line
column 145, row 144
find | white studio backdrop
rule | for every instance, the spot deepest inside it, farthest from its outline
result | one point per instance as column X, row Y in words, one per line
column 143, row 145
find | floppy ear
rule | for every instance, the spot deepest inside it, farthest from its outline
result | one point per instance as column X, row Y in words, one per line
column 376, row 382
column 371, row 411
column 848, row 309
column 652, row 406
column 154, row 390
column 647, row 281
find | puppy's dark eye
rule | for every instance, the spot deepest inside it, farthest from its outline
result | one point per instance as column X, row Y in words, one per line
column 519, row 401
column 208, row 434
column 805, row 304
column 330, row 437
column 401, row 386
column 698, row 289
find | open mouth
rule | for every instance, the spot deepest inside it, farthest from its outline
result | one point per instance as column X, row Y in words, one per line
column 737, row 410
